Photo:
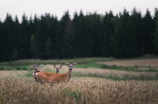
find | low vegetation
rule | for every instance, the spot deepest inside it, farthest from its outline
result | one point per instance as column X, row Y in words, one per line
column 131, row 68
column 110, row 76
column 137, row 85
column 79, row 91
column 116, row 76
column 14, row 67
column 56, row 61
column 114, row 67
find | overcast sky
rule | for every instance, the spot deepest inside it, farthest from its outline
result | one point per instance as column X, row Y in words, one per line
column 58, row 7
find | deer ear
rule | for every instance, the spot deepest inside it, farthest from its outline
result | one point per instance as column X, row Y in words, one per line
column 60, row 66
column 38, row 65
column 66, row 63
column 33, row 65
column 75, row 63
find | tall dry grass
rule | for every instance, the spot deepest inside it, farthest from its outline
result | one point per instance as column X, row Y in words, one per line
column 78, row 91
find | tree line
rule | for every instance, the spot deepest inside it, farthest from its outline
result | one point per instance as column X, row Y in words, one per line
column 125, row 35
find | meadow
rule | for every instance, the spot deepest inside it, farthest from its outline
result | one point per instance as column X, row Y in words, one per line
column 94, row 80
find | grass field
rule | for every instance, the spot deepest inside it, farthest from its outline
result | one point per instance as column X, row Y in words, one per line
column 79, row 91
column 94, row 81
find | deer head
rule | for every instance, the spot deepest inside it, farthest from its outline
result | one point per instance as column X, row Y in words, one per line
column 57, row 68
column 71, row 65
column 35, row 67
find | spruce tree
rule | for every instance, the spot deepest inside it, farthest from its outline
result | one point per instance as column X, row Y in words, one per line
column 156, row 33
column 119, row 39
column 60, row 42
column 24, row 39
column 147, row 37
column 106, row 48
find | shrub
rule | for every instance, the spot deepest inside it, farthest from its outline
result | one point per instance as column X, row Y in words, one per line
column 1, row 68
column 18, row 68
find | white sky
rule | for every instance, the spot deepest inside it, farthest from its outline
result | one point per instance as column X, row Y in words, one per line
column 58, row 7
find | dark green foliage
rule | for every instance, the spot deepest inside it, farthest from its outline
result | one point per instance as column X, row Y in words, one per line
column 18, row 68
column 92, row 35
column 15, row 54
column 121, row 34
column 24, row 39
column 1, row 68
column 32, row 45
column 107, row 32
column 147, row 38
column 156, row 33
column 48, row 49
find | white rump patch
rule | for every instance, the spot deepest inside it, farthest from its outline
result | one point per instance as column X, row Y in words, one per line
column 37, row 77
column 36, row 74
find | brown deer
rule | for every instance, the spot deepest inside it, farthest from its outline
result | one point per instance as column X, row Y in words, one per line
column 50, row 78
column 36, row 71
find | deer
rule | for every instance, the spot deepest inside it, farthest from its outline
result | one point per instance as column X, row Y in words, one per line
column 51, row 78
column 57, row 68
column 36, row 71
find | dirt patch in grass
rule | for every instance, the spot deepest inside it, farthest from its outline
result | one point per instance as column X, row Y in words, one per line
column 138, row 62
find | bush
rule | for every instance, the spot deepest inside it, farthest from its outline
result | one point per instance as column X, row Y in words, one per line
column 24, row 68
column 1, row 68
column 18, row 68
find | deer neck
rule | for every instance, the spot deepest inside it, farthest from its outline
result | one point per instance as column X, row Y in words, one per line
column 34, row 74
column 69, row 75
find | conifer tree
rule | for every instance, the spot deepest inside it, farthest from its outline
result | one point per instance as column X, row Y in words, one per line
column 60, row 42
column 106, row 48
column 2, row 44
column 24, row 39
column 147, row 37
column 119, row 39
column 156, row 33
column 8, row 37
column 77, row 42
